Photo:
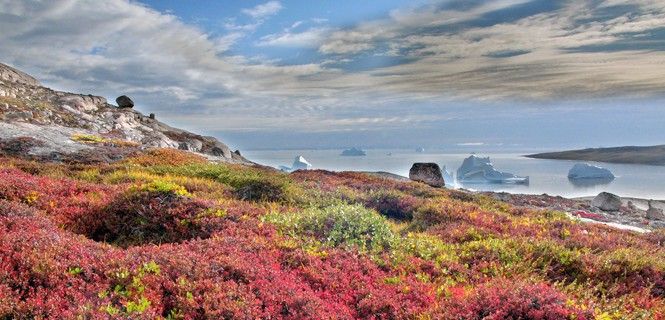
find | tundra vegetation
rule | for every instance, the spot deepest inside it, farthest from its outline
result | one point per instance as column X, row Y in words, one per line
column 164, row 234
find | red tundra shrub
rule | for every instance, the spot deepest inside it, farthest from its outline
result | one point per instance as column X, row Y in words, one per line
column 150, row 217
column 69, row 203
column 15, row 209
column 506, row 299
column 393, row 204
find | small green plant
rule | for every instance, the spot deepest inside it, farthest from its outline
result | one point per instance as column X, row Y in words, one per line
column 338, row 225
column 74, row 270
column 163, row 186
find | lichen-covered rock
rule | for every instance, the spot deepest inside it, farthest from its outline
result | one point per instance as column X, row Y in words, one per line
column 429, row 173
column 607, row 201
column 654, row 213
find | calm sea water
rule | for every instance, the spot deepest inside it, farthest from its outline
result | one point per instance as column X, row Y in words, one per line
column 546, row 176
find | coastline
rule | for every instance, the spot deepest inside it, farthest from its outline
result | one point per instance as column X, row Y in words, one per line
column 631, row 216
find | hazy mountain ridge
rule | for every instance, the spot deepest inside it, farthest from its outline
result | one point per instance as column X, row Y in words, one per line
column 651, row 155
column 65, row 123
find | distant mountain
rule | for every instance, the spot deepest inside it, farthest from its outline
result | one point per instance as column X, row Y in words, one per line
column 53, row 125
column 651, row 155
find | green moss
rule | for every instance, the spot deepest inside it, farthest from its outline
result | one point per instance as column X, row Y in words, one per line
column 87, row 138
column 163, row 186
column 254, row 184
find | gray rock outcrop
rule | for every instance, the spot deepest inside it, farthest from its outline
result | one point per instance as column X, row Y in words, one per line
column 28, row 109
column 654, row 213
column 10, row 74
column 607, row 201
column 429, row 173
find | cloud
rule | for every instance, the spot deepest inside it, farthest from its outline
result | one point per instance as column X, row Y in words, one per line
column 409, row 69
column 309, row 38
column 264, row 10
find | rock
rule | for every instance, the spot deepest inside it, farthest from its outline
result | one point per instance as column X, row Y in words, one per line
column 124, row 102
column 587, row 171
column 607, row 201
column 428, row 173
column 300, row 163
column 152, row 116
column 654, row 213
column 10, row 74
column 237, row 152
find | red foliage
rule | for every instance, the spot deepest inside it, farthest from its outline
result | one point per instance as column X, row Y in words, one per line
column 506, row 299
column 149, row 217
column 589, row 215
column 393, row 204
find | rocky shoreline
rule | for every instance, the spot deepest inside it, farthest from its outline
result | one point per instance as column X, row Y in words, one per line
column 632, row 213
column 628, row 213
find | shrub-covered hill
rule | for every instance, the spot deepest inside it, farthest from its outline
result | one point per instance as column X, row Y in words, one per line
column 164, row 234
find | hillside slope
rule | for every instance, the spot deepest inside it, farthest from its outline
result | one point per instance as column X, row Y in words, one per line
column 651, row 155
column 67, row 124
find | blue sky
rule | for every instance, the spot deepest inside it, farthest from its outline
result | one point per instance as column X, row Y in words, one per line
column 436, row 73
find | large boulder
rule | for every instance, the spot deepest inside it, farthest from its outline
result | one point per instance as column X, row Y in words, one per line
column 124, row 102
column 654, row 213
column 429, row 173
column 607, row 201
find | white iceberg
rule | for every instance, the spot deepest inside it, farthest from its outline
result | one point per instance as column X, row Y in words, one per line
column 476, row 169
column 300, row 163
column 587, row 171
column 447, row 176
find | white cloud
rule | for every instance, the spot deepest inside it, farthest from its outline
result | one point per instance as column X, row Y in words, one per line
column 309, row 38
column 264, row 10
column 180, row 71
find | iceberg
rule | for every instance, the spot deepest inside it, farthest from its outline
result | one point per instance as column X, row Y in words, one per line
column 587, row 171
column 300, row 163
column 354, row 152
column 447, row 176
column 476, row 169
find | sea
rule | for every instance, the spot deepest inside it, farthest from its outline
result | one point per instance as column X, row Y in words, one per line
column 545, row 176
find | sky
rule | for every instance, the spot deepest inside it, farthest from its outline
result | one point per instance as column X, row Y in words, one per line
column 332, row 74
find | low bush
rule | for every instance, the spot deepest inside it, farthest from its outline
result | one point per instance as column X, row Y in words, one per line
column 504, row 299
column 166, row 157
column 393, row 204
column 152, row 215
column 249, row 183
column 340, row 225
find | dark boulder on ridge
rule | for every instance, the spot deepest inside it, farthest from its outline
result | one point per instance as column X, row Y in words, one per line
column 124, row 102
column 429, row 173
